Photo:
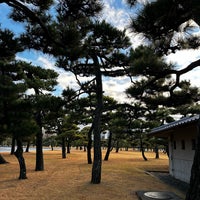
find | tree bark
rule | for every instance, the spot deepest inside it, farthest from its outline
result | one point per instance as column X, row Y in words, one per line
column 156, row 152
column 2, row 160
column 39, row 146
column 52, row 146
column 19, row 155
column 142, row 149
column 109, row 147
column 117, row 147
column 68, row 147
column 89, row 145
column 96, row 168
column 63, row 147
column 27, row 146
column 143, row 155
column 193, row 192
column 12, row 146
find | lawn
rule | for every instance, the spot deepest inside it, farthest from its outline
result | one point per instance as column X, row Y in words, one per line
column 69, row 178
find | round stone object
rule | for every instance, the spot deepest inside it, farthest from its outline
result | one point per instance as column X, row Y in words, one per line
column 158, row 195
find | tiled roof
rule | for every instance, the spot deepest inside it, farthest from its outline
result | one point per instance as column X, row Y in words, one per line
column 183, row 121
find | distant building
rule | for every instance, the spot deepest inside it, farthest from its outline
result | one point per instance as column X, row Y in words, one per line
column 105, row 135
column 182, row 137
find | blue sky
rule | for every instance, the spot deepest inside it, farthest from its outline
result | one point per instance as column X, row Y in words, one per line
column 117, row 13
column 5, row 22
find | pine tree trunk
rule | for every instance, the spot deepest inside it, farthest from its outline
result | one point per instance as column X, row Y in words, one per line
column 19, row 155
column 89, row 155
column 117, row 147
column 96, row 168
column 156, row 152
column 52, row 146
column 63, row 147
column 12, row 146
column 89, row 145
column 109, row 147
column 142, row 149
column 193, row 192
column 39, row 151
column 68, row 147
column 27, row 146
column 143, row 155
column 2, row 160
column 84, row 148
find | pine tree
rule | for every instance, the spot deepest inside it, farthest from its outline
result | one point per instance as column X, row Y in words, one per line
column 166, row 23
column 40, row 80
column 101, row 57
column 16, row 120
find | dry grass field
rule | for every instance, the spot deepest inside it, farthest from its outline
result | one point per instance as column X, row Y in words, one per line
column 69, row 178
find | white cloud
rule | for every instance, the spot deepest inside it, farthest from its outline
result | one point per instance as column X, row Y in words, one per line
column 193, row 77
column 118, row 16
column 30, row 92
column 115, row 87
column 46, row 62
column 182, row 59
column 67, row 79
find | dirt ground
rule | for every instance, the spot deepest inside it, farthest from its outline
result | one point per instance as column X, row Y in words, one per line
column 69, row 178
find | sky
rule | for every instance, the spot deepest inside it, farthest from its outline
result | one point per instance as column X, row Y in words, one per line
column 117, row 13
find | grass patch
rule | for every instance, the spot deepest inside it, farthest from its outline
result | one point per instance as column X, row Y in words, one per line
column 69, row 178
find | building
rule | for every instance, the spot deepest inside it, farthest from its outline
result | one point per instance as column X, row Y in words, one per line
column 182, row 137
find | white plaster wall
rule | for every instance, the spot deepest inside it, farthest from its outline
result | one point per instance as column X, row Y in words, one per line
column 181, row 160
